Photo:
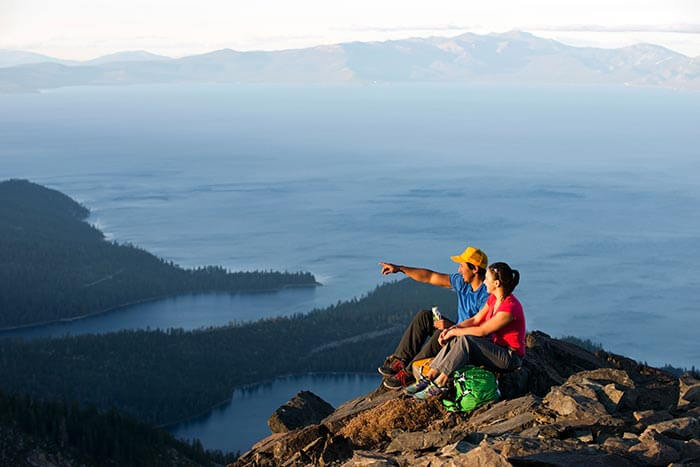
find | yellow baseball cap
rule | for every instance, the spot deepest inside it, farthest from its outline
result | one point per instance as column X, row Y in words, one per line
column 472, row 255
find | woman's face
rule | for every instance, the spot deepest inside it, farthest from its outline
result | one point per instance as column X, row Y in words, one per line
column 491, row 283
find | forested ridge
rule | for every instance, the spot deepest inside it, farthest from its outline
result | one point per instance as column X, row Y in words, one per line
column 54, row 265
column 164, row 376
column 86, row 436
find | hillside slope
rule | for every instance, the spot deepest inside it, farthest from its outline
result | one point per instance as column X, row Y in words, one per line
column 164, row 376
column 54, row 265
column 35, row 433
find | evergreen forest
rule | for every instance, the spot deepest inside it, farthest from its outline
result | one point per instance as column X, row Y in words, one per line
column 54, row 265
column 86, row 436
column 162, row 377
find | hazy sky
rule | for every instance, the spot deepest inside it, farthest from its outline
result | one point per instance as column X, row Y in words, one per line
column 81, row 29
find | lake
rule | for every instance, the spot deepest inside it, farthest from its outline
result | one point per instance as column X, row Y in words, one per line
column 237, row 425
column 183, row 311
column 591, row 192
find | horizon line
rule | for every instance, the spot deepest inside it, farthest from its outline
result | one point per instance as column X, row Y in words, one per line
column 330, row 44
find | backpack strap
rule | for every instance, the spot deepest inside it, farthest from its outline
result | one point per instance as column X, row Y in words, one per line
column 449, row 405
column 454, row 406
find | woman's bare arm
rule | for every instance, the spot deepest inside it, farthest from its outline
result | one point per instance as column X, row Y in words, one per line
column 494, row 324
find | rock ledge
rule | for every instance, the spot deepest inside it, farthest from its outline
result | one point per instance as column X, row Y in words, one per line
column 565, row 406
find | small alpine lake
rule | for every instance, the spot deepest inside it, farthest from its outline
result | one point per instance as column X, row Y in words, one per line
column 240, row 423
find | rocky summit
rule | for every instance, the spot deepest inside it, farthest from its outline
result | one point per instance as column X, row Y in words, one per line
column 565, row 406
column 306, row 408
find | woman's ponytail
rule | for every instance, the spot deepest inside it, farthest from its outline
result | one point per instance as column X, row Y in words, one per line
column 509, row 278
column 516, row 279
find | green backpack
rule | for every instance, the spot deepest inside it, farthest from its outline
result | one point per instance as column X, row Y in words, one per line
column 474, row 387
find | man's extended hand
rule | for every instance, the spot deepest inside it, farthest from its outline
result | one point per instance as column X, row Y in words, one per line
column 388, row 268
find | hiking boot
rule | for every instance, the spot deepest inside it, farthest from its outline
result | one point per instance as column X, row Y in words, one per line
column 433, row 390
column 400, row 380
column 391, row 366
column 418, row 386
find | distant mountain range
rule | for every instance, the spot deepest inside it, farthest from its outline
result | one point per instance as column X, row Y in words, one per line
column 11, row 58
column 512, row 57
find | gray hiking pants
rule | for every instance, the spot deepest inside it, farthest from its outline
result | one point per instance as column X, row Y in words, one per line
column 470, row 350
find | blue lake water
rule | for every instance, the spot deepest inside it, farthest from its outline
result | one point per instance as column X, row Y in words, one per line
column 184, row 311
column 591, row 192
column 240, row 423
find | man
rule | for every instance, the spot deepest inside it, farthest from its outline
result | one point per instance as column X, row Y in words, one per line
column 468, row 282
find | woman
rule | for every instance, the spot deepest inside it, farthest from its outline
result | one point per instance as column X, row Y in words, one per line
column 494, row 337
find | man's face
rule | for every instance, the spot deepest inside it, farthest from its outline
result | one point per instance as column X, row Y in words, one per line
column 466, row 271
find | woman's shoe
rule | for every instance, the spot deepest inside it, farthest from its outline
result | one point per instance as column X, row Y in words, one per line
column 433, row 390
column 418, row 386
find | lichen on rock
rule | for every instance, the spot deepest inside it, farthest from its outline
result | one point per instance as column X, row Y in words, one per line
column 375, row 425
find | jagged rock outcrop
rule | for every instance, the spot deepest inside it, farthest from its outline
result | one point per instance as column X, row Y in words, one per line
column 567, row 407
column 306, row 408
column 689, row 389
column 548, row 363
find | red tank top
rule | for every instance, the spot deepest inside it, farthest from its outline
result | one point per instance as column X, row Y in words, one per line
column 512, row 334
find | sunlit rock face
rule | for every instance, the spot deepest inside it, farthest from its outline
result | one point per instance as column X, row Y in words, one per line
column 565, row 405
column 306, row 408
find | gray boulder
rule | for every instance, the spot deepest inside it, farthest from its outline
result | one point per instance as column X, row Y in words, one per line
column 612, row 388
column 554, row 452
column 687, row 380
column 691, row 450
column 481, row 456
column 655, row 449
column 685, row 428
column 506, row 416
column 575, row 400
column 589, row 458
column 335, row 449
column 619, row 445
column 655, row 389
column 278, row 448
column 421, row 440
column 370, row 459
column 648, row 417
column 548, row 362
column 692, row 395
column 304, row 409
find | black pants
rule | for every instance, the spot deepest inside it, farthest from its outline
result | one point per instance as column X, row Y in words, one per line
column 413, row 345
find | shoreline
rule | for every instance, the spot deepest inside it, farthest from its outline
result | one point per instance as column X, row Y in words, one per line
column 165, row 426
column 151, row 299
